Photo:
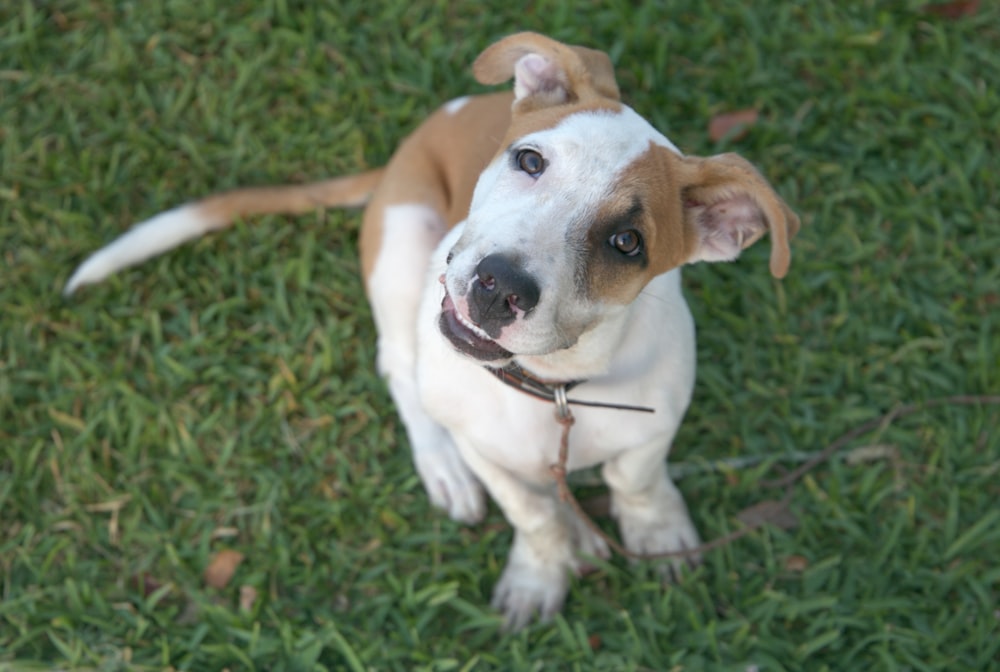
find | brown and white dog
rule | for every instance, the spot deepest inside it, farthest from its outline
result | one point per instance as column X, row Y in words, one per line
column 543, row 230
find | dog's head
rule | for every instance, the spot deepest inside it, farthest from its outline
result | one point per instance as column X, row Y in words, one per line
column 583, row 205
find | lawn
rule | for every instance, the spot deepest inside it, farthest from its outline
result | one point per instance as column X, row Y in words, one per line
column 200, row 470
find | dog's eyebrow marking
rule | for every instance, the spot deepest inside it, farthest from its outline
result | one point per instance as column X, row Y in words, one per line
column 617, row 221
column 634, row 212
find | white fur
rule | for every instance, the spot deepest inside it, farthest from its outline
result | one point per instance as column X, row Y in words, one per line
column 146, row 239
column 455, row 106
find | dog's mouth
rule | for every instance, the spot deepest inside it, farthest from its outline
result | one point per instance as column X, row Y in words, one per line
column 468, row 338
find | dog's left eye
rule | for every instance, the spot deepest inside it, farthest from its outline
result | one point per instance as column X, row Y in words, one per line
column 530, row 162
column 627, row 242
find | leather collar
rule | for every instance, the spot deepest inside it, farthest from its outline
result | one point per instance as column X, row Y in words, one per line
column 514, row 376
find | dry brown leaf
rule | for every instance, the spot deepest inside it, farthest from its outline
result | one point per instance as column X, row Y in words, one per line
column 873, row 453
column 731, row 124
column 221, row 568
column 248, row 596
column 796, row 563
column 953, row 10
column 769, row 512
column 225, row 533
column 146, row 583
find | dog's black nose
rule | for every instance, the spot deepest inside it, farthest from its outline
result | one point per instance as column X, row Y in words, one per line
column 499, row 291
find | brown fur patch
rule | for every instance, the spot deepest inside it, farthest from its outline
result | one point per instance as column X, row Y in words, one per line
column 438, row 166
column 645, row 197
column 222, row 209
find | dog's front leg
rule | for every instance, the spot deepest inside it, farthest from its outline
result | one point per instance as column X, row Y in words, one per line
column 544, row 551
column 650, row 510
column 410, row 234
column 449, row 483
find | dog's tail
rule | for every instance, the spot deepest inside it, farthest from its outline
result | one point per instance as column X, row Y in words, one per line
column 174, row 227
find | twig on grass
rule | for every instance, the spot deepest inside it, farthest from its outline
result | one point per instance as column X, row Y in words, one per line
column 684, row 469
column 881, row 422
column 764, row 512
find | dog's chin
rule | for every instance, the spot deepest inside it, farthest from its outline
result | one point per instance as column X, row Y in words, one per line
column 465, row 339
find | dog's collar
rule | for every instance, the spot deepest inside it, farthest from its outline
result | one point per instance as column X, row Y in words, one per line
column 514, row 376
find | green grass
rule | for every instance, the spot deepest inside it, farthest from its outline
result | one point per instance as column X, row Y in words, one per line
column 224, row 396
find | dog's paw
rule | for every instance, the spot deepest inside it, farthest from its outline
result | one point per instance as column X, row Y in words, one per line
column 665, row 532
column 449, row 483
column 526, row 589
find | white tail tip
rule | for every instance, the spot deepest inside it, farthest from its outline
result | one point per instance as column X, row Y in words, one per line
column 146, row 239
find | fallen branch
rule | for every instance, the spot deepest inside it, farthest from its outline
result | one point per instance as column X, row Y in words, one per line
column 876, row 423
column 762, row 513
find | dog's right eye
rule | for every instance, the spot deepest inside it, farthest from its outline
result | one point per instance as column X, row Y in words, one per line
column 531, row 162
column 627, row 242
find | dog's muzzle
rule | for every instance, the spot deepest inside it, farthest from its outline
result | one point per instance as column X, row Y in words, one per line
column 498, row 294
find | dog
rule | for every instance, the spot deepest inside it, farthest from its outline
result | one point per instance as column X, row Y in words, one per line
column 533, row 237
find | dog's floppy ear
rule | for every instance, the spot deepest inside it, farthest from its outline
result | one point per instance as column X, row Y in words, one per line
column 729, row 205
column 546, row 71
